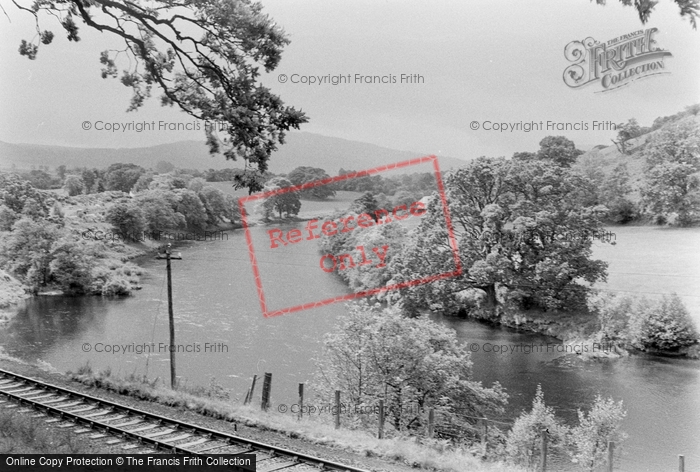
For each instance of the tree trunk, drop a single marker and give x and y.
(491, 300)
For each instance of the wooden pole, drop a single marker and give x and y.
(380, 434)
(543, 451)
(484, 432)
(681, 463)
(337, 409)
(431, 422)
(171, 318)
(249, 398)
(611, 454)
(301, 399)
(267, 386)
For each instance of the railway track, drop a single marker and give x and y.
(142, 432)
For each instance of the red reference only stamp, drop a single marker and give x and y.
(277, 238)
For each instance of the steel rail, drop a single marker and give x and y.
(248, 445)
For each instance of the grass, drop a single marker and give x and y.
(213, 401)
(21, 434)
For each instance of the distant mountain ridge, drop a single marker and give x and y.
(300, 149)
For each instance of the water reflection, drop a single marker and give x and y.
(216, 302)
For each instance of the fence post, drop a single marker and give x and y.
(301, 400)
(681, 463)
(380, 434)
(249, 397)
(267, 386)
(543, 451)
(337, 409)
(431, 422)
(484, 432)
(611, 453)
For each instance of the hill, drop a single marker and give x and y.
(606, 158)
(301, 149)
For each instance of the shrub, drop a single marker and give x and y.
(612, 313)
(589, 440)
(622, 211)
(523, 440)
(116, 286)
(128, 219)
(73, 185)
(664, 325)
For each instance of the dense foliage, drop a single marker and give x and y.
(303, 175)
(585, 444)
(521, 227)
(204, 57)
(411, 364)
(280, 203)
(39, 248)
(672, 172)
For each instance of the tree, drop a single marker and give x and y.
(664, 325)
(524, 438)
(159, 210)
(90, 178)
(215, 204)
(123, 177)
(25, 251)
(367, 203)
(143, 183)
(192, 208)
(688, 8)
(61, 172)
(556, 149)
(302, 175)
(596, 428)
(519, 227)
(233, 211)
(559, 150)
(71, 266)
(15, 192)
(672, 177)
(615, 190)
(7, 218)
(196, 184)
(73, 185)
(287, 203)
(204, 56)
(39, 179)
(627, 131)
(377, 353)
(127, 219)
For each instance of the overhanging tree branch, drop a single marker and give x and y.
(209, 69)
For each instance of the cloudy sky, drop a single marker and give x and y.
(498, 61)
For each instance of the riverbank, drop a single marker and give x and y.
(312, 435)
(12, 292)
(580, 334)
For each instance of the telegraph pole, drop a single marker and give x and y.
(167, 256)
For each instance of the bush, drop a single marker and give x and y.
(71, 266)
(128, 219)
(612, 313)
(622, 211)
(116, 286)
(665, 325)
(523, 440)
(589, 440)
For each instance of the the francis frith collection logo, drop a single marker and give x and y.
(614, 63)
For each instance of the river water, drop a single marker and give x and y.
(219, 320)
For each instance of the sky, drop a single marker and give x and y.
(497, 61)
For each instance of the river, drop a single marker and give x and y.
(219, 319)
